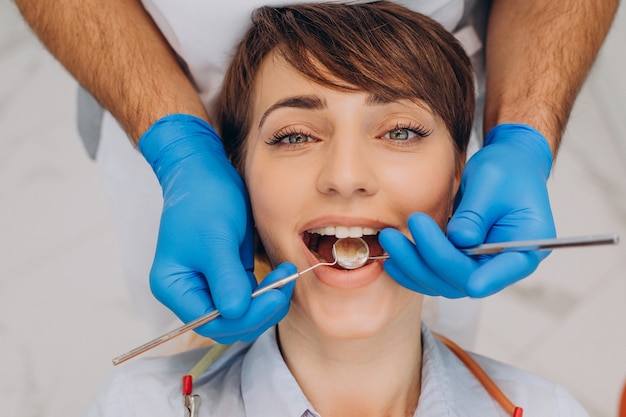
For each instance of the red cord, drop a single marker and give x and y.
(187, 385)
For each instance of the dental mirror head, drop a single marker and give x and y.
(351, 252)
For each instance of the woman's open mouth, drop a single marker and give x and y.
(320, 241)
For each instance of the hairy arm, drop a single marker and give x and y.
(538, 55)
(117, 53)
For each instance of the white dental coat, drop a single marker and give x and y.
(253, 380)
(204, 33)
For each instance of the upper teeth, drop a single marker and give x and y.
(343, 231)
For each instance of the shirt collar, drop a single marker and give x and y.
(267, 385)
(448, 387)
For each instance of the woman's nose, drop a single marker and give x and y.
(348, 169)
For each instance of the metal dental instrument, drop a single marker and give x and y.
(542, 244)
(353, 253)
(192, 404)
(212, 315)
(359, 249)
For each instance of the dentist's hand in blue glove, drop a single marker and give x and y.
(503, 197)
(205, 256)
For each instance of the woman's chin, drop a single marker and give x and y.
(351, 319)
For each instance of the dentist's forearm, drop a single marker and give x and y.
(116, 52)
(538, 55)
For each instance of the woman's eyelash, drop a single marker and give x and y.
(282, 134)
(418, 129)
(273, 140)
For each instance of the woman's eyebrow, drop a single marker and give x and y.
(311, 102)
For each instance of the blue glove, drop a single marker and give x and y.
(503, 197)
(265, 310)
(205, 256)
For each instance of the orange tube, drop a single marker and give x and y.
(482, 377)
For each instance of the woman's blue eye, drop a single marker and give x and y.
(408, 132)
(290, 138)
(400, 133)
(294, 138)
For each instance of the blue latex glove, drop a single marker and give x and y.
(205, 256)
(503, 197)
(265, 310)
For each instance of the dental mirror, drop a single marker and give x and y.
(353, 252)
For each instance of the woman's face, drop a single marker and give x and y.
(321, 162)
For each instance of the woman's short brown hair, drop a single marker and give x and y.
(381, 48)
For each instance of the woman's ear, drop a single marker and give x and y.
(458, 175)
(262, 265)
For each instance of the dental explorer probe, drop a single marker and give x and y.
(352, 253)
(212, 315)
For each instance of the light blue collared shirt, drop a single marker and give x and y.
(253, 380)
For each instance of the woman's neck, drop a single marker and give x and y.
(372, 376)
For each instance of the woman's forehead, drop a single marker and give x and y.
(279, 81)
